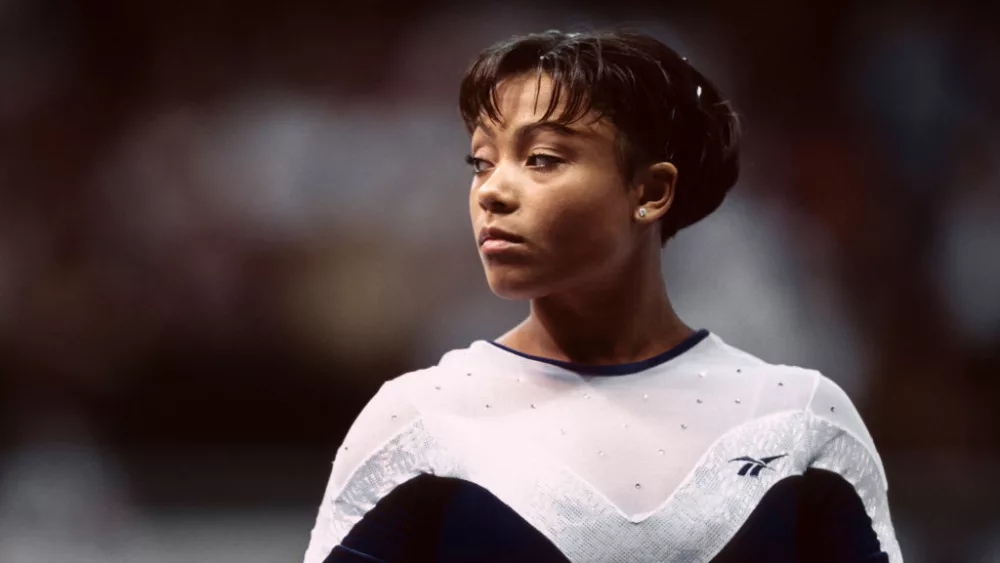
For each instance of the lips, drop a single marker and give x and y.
(497, 234)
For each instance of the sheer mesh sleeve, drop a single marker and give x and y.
(849, 452)
(385, 415)
(831, 404)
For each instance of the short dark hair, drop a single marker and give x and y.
(662, 108)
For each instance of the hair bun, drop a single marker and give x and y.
(706, 154)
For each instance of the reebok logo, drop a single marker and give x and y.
(754, 466)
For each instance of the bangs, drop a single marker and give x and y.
(572, 86)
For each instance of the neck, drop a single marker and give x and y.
(624, 319)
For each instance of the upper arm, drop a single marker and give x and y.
(443, 520)
(385, 415)
(830, 403)
(845, 505)
(833, 524)
(405, 525)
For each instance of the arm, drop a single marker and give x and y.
(844, 508)
(433, 519)
(402, 527)
(354, 488)
(833, 525)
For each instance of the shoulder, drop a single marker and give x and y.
(397, 402)
(830, 404)
(774, 388)
(421, 384)
(781, 387)
(835, 431)
(792, 388)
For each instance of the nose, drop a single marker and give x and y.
(496, 194)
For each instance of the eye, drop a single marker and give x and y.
(478, 165)
(542, 160)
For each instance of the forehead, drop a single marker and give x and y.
(523, 100)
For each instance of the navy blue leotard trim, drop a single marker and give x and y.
(444, 520)
(618, 369)
(816, 518)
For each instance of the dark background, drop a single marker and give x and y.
(223, 225)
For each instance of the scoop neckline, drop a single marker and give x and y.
(613, 369)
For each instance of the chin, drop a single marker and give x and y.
(514, 287)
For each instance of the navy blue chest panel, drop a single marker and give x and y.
(816, 517)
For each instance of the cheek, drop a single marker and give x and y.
(585, 225)
(473, 206)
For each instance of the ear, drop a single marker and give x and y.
(654, 190)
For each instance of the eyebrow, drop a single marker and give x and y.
(529, 129)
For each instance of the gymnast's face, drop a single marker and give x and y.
(550, 209)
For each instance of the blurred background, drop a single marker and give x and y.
(223, 225)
